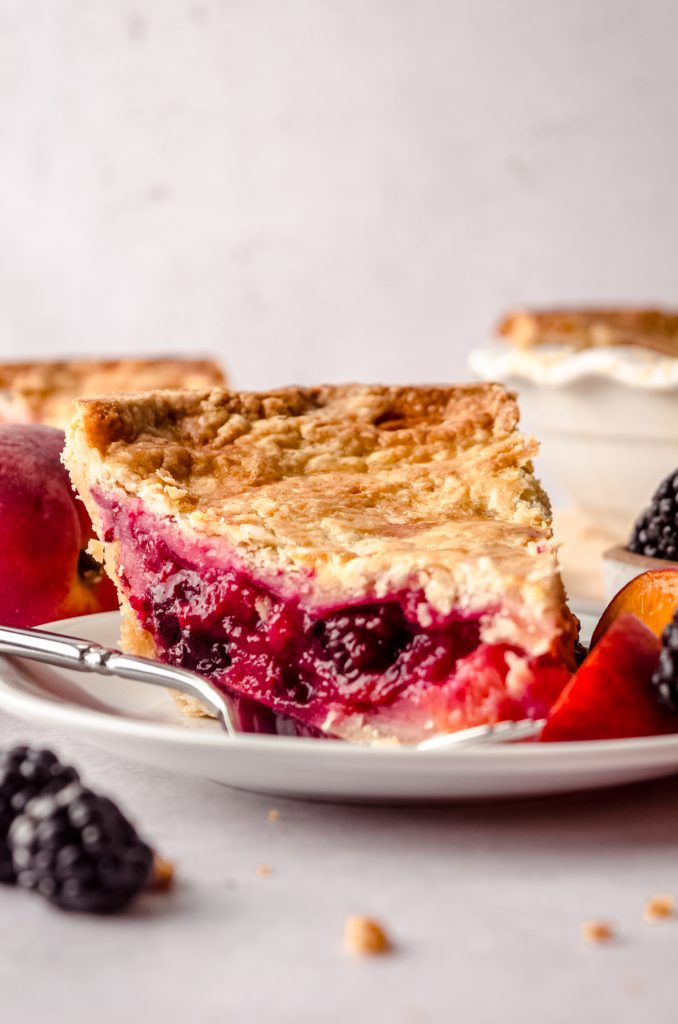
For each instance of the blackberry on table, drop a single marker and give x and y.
(656, 531)
(25, 772)
(79, 851)
(665, 678)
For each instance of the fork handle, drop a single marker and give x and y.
(38, 645)
(82, 656)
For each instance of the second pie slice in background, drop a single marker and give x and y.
(43, 392)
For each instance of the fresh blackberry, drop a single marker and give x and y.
(25, 772)
(656, 531)
(665, 678)
(78, 850)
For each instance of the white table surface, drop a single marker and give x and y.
(484, 903)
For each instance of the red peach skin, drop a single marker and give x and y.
(611, 696)
(43, 529)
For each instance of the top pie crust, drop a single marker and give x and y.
(43, 392)
(338, 494)
(653, 329)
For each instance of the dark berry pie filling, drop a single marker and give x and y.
(361, 670)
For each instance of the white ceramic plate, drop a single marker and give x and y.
(142, 723)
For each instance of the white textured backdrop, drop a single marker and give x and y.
(319, 189)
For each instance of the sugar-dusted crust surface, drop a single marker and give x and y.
(344, 493)
(654, 329)
(43, 392)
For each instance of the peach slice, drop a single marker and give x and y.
(651, 597)
(611, 696)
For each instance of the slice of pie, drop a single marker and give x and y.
(654, 329)
(370, 562)
(43, 392)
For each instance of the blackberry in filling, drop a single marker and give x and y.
(373, 659)
(367, 639)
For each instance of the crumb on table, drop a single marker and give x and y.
(659, 906)
(264, 871)
(162, 874)
(363, 936)
(273, 815)
(596, 931)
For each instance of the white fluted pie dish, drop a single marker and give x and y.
(607, 419)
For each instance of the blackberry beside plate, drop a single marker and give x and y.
(25, 772)
(79, 851)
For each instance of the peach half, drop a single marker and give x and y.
(45, 572)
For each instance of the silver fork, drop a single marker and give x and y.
(500, 732)
(82, 656)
